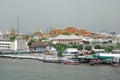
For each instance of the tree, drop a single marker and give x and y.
(104, 42)
(60, 48)
(25, 36)
(80, 47)
(118, 45)
(86, 42)
(74, 45)
(110, 41)
(109, 48)
(13, 37)
(40, 40)
(65, 33)
(97, 47)
(89, 48)
(31, 42)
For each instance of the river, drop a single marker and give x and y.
(21, 69)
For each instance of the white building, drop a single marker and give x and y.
(65, 39)
(21, 45)
(70, 52)
(4, 44)
(17, 45)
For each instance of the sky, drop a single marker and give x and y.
(92, 15)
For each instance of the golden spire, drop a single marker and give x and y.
(12, 31)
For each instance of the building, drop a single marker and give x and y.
(17, 45)
(65, 39)
(5, 44)
(38, 47)
(70, 52)
(20, 45)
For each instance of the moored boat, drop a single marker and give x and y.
(95, 61)
(71, 61)
(52, 61)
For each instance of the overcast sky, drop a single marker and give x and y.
(93, 15)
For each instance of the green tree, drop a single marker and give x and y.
(86, 42)
(97, 46)
(110, 41)
(42, 39)
(13, 37)
(31, 42)
(118, 45)
(104, 42)
(60, 48)
(74, 45)
(80, 47)
(25, 36)
(49, 43)
(109, 48)
(65, 33)
(89, 48)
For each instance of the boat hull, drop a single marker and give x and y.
(71, 63)
(52, 61)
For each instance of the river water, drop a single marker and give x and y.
(21, 69)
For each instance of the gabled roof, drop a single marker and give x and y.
(38, 44)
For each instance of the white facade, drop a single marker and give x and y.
(109, 55)
(65, 39)
(70, 52)
(5, 44)
(17, 45)
(21, 45)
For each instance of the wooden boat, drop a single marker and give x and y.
(71, 61)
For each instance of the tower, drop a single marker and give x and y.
(18, 25)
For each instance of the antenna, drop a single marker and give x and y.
(18, 24)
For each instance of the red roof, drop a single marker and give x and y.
(38, 44)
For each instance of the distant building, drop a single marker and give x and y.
(37, 33)
(65, 39)
(13, 32)
(70, 30)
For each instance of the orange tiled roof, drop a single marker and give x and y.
(71, 30)
(56, 31)
(84, 32)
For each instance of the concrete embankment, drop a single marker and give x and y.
(29, 56)
(22, 56)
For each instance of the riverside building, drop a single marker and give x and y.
(17, 45)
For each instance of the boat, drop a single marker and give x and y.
(71, 61)
(51, 61)
(96, 61)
